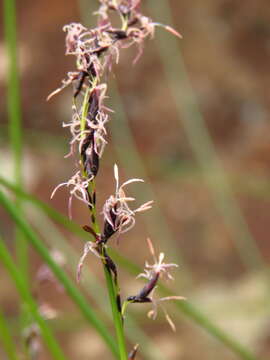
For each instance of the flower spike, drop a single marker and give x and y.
(118, 216)
(153, 273)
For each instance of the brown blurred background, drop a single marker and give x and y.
(212, 203)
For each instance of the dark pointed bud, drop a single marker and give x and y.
(91, 163)
(109, 230)
(142, 297)
(93, 105)
(90, 158)
(80, 81)
(146, 290)
(137, 299)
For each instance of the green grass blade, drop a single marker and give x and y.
(6, 339)
(13, 94)
(117, 319)
(70, 288)
(32, 307)
(47, 209)
(186, 308)
(14, 115)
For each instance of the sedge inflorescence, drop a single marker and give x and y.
(95, 51)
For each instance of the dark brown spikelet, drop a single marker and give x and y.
(93, 106)
(90, 158)
(109, 230)
(142, 297)
(79, 84)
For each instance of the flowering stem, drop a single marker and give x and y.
(111, 285)
(15, 117)
(112, 291)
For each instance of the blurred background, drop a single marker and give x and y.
(192, 119)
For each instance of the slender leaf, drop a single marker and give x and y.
(13, 94)
(14, 115)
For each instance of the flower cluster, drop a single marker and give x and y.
(95, 51)
(118, 216)
(153, 273)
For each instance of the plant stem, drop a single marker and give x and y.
(15, 117)
(117, 318)
(112, 291)
(13, 94)
(111, 286)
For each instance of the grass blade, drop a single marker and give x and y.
(47, 209)
(15, 117)
(13, 94)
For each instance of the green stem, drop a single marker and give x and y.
(111, 286)
(117, 317)
(15, 117)
(6, 338)
(32, 307)
(47, 209)
(70, 288)
(113, 292)
(13, 94)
